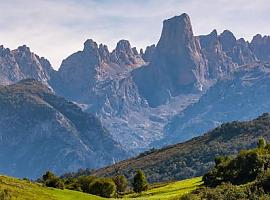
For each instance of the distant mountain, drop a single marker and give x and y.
(241, 96)
(40, 131)
(194, 157)
(21, 63)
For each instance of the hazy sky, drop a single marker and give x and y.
(56, 28)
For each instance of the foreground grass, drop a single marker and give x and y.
(169, 191)
(24, 190)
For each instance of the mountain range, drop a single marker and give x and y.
(173, 91)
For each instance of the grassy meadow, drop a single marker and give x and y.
(24, 190)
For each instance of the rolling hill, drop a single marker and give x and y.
(194, 157)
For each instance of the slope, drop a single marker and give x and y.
(194, 157)
(40, 131)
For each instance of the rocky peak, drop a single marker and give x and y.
(149, 53)
(31, 65)
(134, 51)
(104, 52)
(261, 47)
(123, 46)
(210, 40)
(179, 51)
(228, 40)
(90, 45)
(176, 34)
(125, 55)
(177, 65)
(24, 48)
(21, 63)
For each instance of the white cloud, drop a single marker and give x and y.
(57, 28)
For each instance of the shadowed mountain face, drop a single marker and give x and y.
(41, 131)
(145, 97)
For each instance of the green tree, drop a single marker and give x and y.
(121, 183)
(84, 182)
(50, 180)
(103, 187)
(48, 175)
(261, 142)
(139, 182)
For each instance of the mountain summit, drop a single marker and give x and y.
(177, 65)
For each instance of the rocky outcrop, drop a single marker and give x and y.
(149, 53)
(218, 63)
(177, 65)
(21, 63)
(81, 74)
(261, 47)
(40, 131)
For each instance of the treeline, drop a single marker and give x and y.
(245, 176)
(105, 187)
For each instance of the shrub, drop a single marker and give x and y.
(139, 182)
(84, 182)
(103, 187)
(261, 142)
(121, 183)
(50, 180)
(242, 169)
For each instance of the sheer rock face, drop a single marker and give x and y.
(21, 63)
(224, 53)
(149, 53)
(41, 131)
(218, 63)
(261, 47)
(177, 65)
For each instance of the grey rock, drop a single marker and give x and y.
(21, 63)
(261, 47)
(177, 65)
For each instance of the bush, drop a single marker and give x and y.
(103, 187)
(121, 183)
(261, 143)
(139, 182)
(242, 169)
(50, 180)
(72, 184)
(84, 182)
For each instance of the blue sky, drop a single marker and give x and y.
(56, 28)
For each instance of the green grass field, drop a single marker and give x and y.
(23, 190)
(169, 191)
